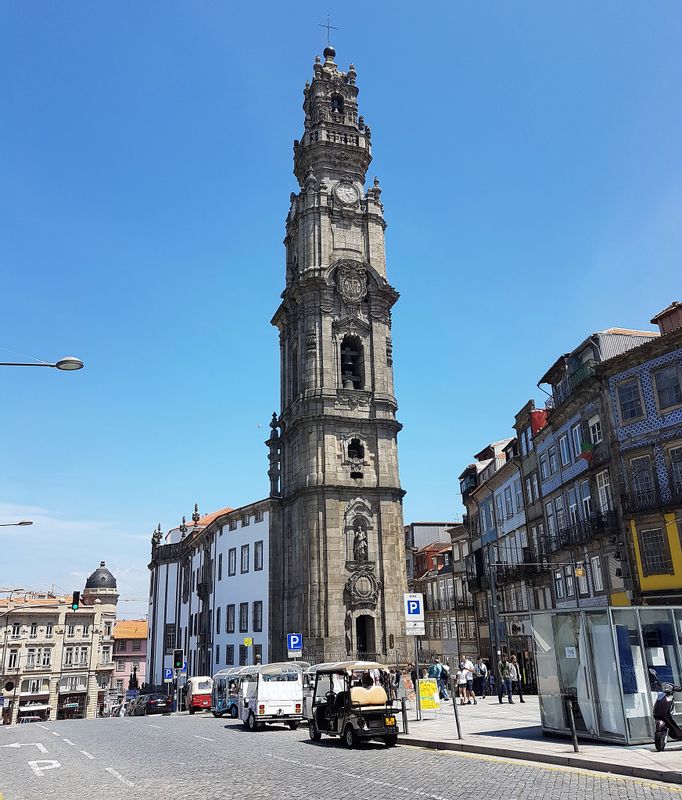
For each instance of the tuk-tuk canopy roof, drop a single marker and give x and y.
(351, 666)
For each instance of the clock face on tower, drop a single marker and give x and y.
(346, 193)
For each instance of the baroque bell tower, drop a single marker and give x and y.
(337, 548)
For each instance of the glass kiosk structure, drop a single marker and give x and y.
(607, 662)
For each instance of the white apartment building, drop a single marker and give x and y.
(209, 592)
(56, 663)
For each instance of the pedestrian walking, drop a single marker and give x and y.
(515, 670)
(444, 680)
(436, 673)
(480, 678)
(461, 678)
(504, 678)
(467, 665)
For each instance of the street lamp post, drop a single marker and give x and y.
(20, 523)
(66, 364)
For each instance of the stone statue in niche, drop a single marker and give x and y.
(360, 549)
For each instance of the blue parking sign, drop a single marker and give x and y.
(294, 642)
(167, 674)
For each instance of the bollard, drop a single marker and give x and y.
(571, 722)
(403, 707)
(454, 705)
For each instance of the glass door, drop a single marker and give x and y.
(606, 685)
(573, 663)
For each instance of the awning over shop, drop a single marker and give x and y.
(35, 707)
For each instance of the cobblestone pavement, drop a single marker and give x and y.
(202, 757)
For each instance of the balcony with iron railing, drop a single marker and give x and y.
(564, 389)
(581, 531)
(654, 499)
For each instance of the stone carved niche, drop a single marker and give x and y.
(360, 536)
(351, 281)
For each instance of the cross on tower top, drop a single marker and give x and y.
(329, 27)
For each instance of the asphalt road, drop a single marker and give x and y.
(163, 757)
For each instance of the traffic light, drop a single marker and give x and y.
(75, 601)
(178, 659)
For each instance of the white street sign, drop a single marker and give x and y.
(414, 614)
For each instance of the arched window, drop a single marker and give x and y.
(356, 449)
(337, 103)
(352, 363)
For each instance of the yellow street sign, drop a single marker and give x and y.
(248, 641)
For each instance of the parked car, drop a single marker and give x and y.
(27, 719)
(156, 703)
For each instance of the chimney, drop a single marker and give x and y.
(670, 319)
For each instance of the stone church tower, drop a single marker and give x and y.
(337, 549)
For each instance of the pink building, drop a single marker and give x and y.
(130, 653)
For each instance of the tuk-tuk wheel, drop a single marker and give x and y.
(292, 725)
(314, 734)
(217, 714)
(234, 712)
(350, 738)
(192, 710)
(391, 740)
(251, 723)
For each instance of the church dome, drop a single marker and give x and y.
(101, 578)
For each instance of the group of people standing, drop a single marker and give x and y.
(475, 680)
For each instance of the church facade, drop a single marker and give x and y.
(331, 563)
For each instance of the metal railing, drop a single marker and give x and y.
(652, 499)
(571, 382)
(581, 531)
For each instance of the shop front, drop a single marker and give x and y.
(606, 663)
(34, 708)
(72, 706)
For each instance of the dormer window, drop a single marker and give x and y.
(337, 104)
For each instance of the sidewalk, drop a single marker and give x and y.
(495, 729)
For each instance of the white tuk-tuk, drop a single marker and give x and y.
(271, 693)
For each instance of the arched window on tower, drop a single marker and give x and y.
(337, 103)
(352, 363)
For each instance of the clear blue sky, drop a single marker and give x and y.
(529, 154)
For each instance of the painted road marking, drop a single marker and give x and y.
(41, 766)
(40, 747)
(54, 733)
(44, 727)
(86, 754)
(205, 738)
(68, 741)
(149, 725)
(120, 777)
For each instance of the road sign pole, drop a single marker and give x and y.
(177, 691)
(416, 683)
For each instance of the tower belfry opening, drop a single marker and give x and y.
(334, 461)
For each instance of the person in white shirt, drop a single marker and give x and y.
(461, 678)
(467, 665)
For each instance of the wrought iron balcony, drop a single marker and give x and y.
(652, 499)
(570, 383)
(582, 531)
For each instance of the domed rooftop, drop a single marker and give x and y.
(101, 578)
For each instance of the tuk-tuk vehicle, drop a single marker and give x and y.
(349, 703)
(271, 693)
(225, 694)
(198, 693)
